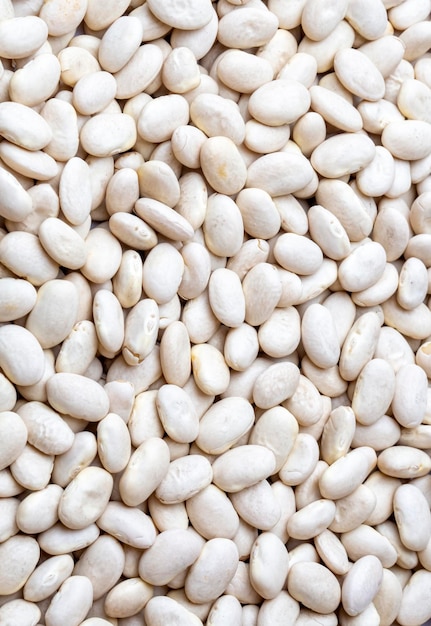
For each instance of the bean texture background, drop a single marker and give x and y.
(215, 313)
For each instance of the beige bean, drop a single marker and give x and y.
(226, 297)
(275, 385)
(64, 602)
(353, 509)
(21, 355)
(301, 461)
(185, 477)
(306, 403)
(140, 331)
(46, 430)
(59, 540)
(412, 517)
(241, 347)
(37, 81)
(306, 582)
(412, 609)
(339, 198)
(284, 323)
(129, 525)
(113, 443)
(47, 577)
(366, 575)
(324, 51)
(217, 431)
(38, 511)
(311, 520)
(127, 282)
(85, 498)
(102, 562)
(164, 219)
(172, 553)
(212, 514)
(77, 396)
(235, 469)
(262, 290)
(248, 29)
(34, 164)
(22, 36)
(409, 139)
(223, 241)
(78, 349)
(16, 202)
(338, 434)
(54, 313)
(14, 433)
(365, 540)
(19, 556)
(213, 570)
(107, 134)
(257, 505)
(267, 103)
(199, 40)
(333, 157)
(161, 116)
(222, 165)
(268, 557)
(266, 173)
(335, 109)
(317, 23)
(152, 454)
(127, 598)
(160, 609)
(18, 297)
(347, 473)
(177, 413)
(332, 552)
(403, 462)
(175, 354)
(24, 127)
(127, 30)
(359, 74)
(359, 345)
(374, 391)
(322, 347)
(210, 372)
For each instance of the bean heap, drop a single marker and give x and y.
(215, 324)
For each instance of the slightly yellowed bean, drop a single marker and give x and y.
(209, 369)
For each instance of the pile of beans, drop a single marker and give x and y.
(215, 322)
